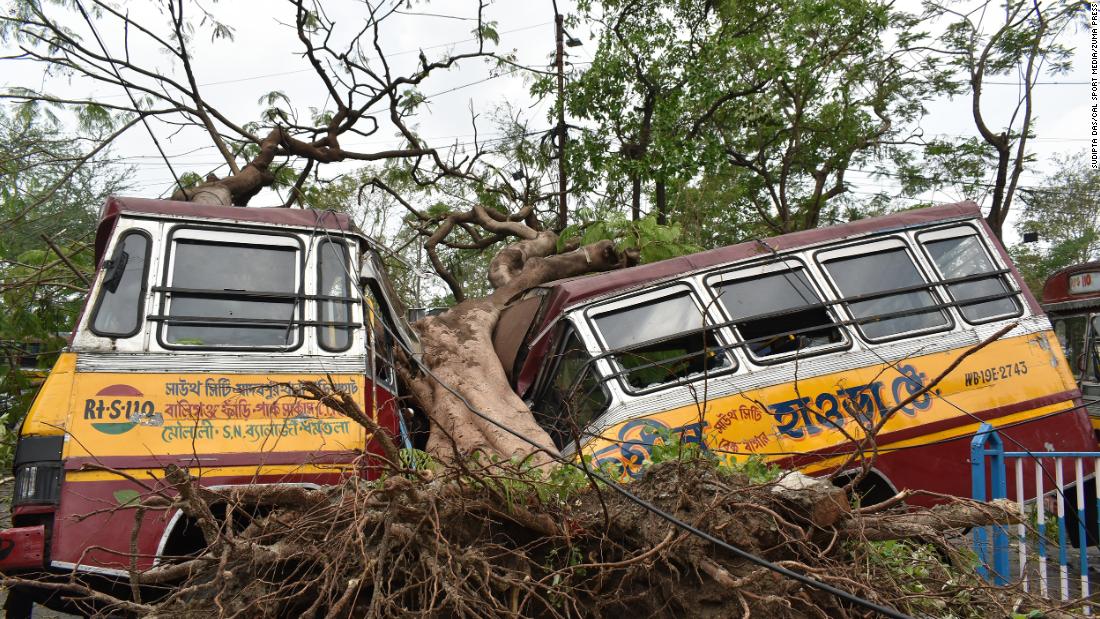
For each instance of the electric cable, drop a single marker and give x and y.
(126, 87)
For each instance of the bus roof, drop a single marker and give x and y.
(1057, 295)
(570, 292)
(308, 219)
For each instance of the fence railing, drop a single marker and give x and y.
(1057, 515)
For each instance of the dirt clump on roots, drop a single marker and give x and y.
(494, 541)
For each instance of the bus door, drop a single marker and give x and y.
(1079, 335)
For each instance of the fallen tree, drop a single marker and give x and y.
(496, 541)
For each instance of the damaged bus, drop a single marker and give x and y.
(791, 348)
(200, 326)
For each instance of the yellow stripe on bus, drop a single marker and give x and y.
(824, 412)
(266, 470)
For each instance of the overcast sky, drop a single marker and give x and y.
(263, 57)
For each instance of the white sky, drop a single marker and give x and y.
(264, 57)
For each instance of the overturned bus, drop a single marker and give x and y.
(200, 326)
(794, 347)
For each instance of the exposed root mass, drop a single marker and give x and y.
(490, 542)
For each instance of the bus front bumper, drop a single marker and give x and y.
(22, 548)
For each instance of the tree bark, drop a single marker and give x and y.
(464, 392)
(635, 197)
(662, 203)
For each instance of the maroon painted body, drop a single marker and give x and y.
(1056, 289)
(23, 548)
(89, 530)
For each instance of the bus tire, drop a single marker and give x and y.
(874, 488)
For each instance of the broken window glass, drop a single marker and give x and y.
(573, 395)
(778, 313)
(232, 295)
(662, 341)
(964, 256)
(891, 314)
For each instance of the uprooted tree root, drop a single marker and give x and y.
(497, 543)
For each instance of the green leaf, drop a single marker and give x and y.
(127, 496)
(488, 32)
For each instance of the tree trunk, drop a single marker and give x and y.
(466, 395)
(662, 203)
(635, 197)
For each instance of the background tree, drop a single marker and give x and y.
(1065, 210)
(767, 104)
(367, 93)
(1020, 40)
(48, 211)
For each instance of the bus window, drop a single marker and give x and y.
(777, 313)
(1071, 332)
(964, 256)
(379, 341)
(573, 395)
(661, 341)
(884, 314)
(232, 294)
(122, 294)
(334, 315)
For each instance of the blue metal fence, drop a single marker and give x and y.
(992, 477)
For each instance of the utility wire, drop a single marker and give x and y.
(137, 109)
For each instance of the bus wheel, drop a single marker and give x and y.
(870, 490)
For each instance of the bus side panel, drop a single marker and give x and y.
(944, 466)
(381, 407)
(808, 424)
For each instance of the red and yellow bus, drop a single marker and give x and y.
(1071, 297)
(790, 348)
(200, 326)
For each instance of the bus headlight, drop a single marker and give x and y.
(38, 470)
(37, 483)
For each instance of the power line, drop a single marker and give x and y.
(311, 70)
(1037, 83)
(126, 87)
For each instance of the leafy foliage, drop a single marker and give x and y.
(1065, 211)
(1014, 39)
(653, 241)
(40, 296)
(768, 104)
